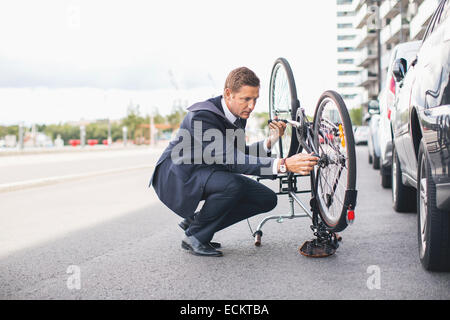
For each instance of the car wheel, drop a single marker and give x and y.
(401, 194)
(376, 162)
(370, 158)
(433, 225)
(386, 180)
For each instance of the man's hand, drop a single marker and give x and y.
(301, 163)
(276, 129)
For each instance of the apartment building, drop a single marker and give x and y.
(348, 73)
(380, 25)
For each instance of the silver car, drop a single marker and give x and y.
(386, 98)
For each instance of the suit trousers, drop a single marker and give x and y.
(229, 198)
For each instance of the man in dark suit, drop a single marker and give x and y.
(209, 158)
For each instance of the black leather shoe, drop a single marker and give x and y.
(187, 222)
(194, 246)
(215, 245)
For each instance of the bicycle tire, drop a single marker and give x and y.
(333, 137)
(283, 103)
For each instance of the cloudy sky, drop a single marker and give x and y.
(66, 60)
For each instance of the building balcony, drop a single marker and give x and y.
(361, 16)
(367, 78)
(389, 9)
(420, 21)
(364, 99)
(395, 32)
(366, 36)
(355, 79)
(359, 3)
(367, 57)
(347, 43)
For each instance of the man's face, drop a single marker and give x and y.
(243, 102)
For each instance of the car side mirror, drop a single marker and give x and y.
(399, 69)
(374, 107)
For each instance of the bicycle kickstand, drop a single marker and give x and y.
(326, 242)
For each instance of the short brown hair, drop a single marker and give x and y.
(240, 77)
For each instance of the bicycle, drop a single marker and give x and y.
(333, 181)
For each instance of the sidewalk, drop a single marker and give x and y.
(23, 171)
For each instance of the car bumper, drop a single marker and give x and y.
(443, 196)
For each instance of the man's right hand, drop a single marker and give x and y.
(301, 163)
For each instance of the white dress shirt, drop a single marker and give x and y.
(232, 118)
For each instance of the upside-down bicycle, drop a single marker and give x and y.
(333, 181)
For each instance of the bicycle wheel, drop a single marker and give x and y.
(335, 176)
(283, 103)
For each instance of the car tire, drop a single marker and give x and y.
(370, 158)
(386, 180)
(433, 225)
(401, 194)
(376, 162)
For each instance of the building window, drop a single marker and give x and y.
(345, 13)
(346, 61)
(345, 49)
(348, 73)
(344, 1)
(345, 84)
(344, 25)
(346, 37)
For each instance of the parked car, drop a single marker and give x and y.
(361, 135)
(421, 140)
(386, 98)
(373, 142)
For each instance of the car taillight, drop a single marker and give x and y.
(392, 90)
(392, 85)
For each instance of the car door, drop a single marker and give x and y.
(429, 73)
(436, 92)
(400, 117)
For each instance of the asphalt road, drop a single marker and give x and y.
(109, 237)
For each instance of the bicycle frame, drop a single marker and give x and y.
(291, 181)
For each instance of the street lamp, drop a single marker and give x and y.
(125, 135)
(21, 135)
(83, 135)
(109, 133)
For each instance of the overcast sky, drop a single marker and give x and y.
(66, 60)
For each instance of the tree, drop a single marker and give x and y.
(264, 116)
(132, 120)
(97, 130)
(66, 131)
(177, 115)
(356, 115)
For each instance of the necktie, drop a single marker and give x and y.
(238, 123)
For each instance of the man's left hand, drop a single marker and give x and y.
(276, 130)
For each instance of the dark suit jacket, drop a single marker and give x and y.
(181, 173)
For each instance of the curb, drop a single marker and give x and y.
(14, 186)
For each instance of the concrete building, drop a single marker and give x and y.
(348, 72)
(380, 25)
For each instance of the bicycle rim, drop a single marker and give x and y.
(336, 177)
(283, 103)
